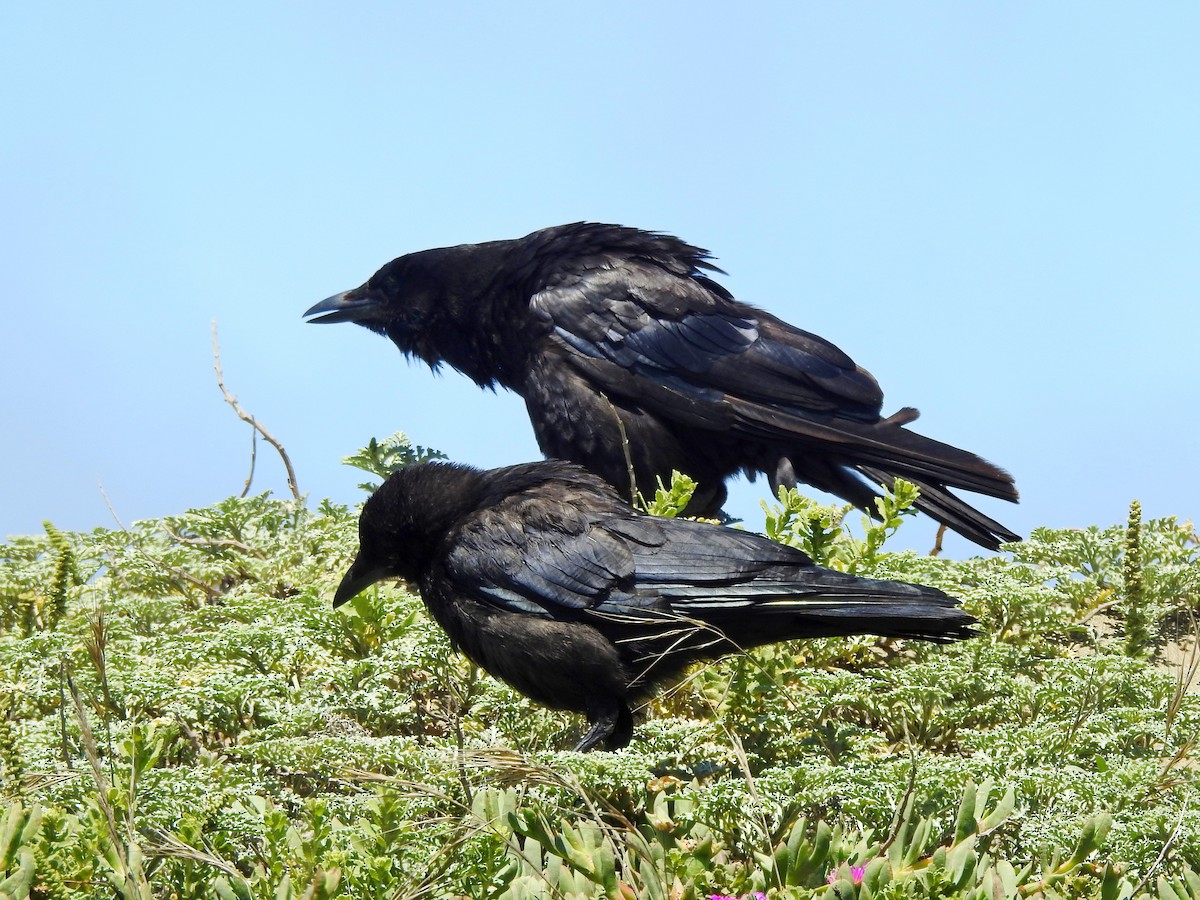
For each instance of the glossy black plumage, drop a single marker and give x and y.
(545, 578)
(619, 341)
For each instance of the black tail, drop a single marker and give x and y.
(918, 458)
(825, 604)
(884, 451)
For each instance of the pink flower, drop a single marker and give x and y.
(856, 874)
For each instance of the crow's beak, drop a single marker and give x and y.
(348, 306)
(357, 579)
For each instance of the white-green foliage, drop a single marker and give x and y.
(382, 458)
(250, 742)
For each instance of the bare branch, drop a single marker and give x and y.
(253, 459)
(92, 751)
(1103, 607)
(112, 512)
(633, 490)
(937, 544)
(123, 846)
(212, 542)
(231, 399)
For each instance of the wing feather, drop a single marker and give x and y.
(533, 558)
(687, 335)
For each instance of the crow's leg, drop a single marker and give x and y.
(623, 731)
(612, 723)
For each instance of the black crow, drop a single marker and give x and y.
(634, 362)
(543, 576)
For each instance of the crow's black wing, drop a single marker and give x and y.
(539, 556)
(680, 348)
(684, 552)
(557, 559)
(747, 589)
(685, 339)
(564, 561)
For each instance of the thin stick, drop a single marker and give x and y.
(899, 819)
(937, 544)
(1174, 836)
(213, 542)
(111, 511)
(633, 490)
(102, 783)
(135, 880)
(231, 399)
(62, 710)
(253, 459)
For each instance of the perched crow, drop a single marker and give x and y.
(543, 576)
(632, 361)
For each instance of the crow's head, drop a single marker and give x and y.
(404, 522)
(403, 300)
(432, 304)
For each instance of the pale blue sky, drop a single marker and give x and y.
(994, 208)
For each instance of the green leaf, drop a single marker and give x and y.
(18, 883)
(999, 815)
(13, 822)
(669, 502)
(384, 457)
(1095, 830)
(964, 822)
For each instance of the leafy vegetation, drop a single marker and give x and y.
(382, 458)
(184, 716)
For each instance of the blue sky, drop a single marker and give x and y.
(994, 208)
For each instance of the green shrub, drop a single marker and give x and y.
(234, 737)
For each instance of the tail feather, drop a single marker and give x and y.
(825, 604)
(915, 456)
(934, 500)
(885, 443)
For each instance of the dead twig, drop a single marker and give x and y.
(95, 644)
(1171, 839)
(168, 846)
(136, 887)
(62, 711)
(937, 543)
(1189, 668)
(1099, 609)
(633, 489)
(213, 542)
(253, 460)
(231, 399)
